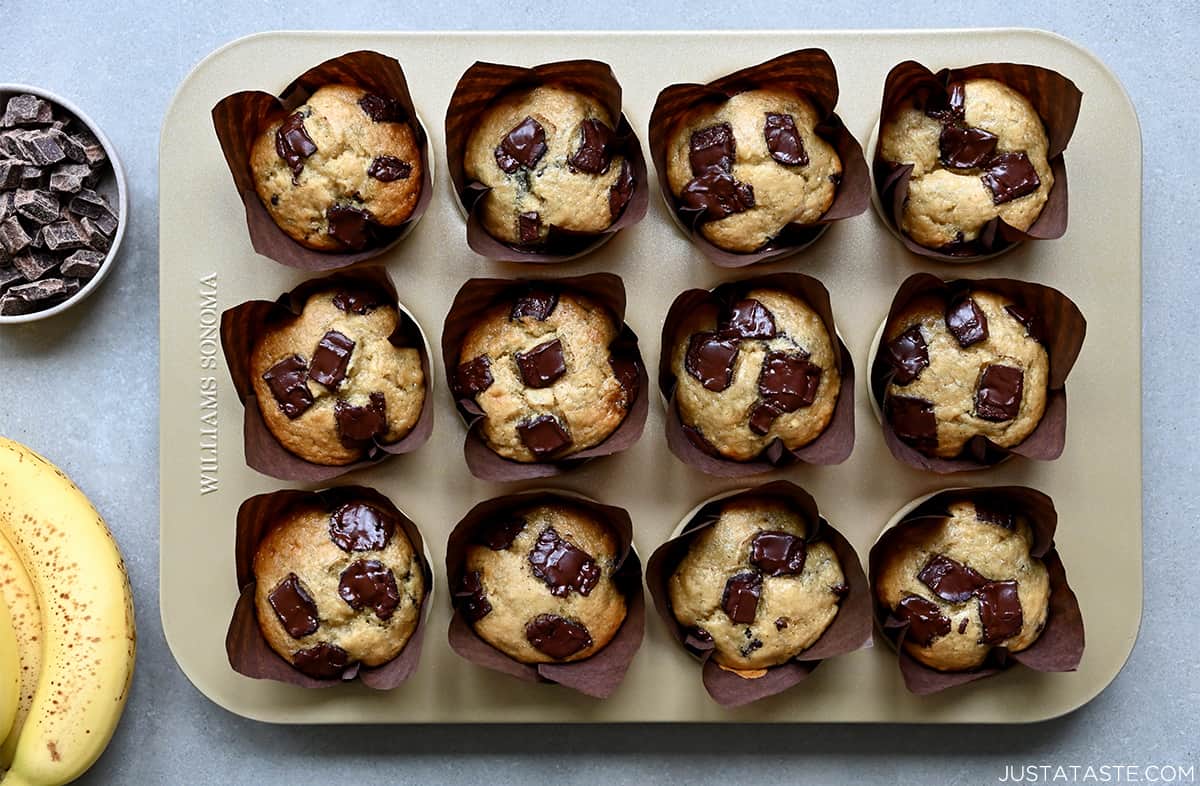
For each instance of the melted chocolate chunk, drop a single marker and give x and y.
(529, 227)
(999, 611)
(761, 418)
(382, 109)
(541, 366)
(324, 662)
(740, 599)
(700, 637)
(499, 534)
(710, 360)
(788, 381)
(357, 526)
(950, 580)
(913, 421)
(370, 584)
(358, 301)
(626, 372)
(995, 513)
(966, 321)
(470, 598)
(562, 565)
(543, 435)
(953, 110)
(999, 395)
(620, 192)
(780, 623)
(711, 150)
(350, 226)
(908, 355)
(293, 144)
(473, 377)
(1010, 176)
(385, 169)
(748, 318)
(962, 625)
(783, 140)
(778, 553)
(557, 636)
(1026, 318)
(523, 146)
(330, 359)
(286, 379)
(716, 196)
(361, 424)
(536, 303)
(593, 154)
(965, 148)
(925, 621)
(295, 608)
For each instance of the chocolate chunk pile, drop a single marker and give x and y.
(55, 228)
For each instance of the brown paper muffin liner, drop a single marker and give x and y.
(480, 294)
(849, 631)
(239, 118)
(1057, 102)
(1060, 645)
(597, 676)
(834, 444)
(482, 84)
(807, 72)
(247, 648)
(241, 328)
(1059, 325)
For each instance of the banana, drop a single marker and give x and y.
(88, 637)
(10, 672)
(16, 592)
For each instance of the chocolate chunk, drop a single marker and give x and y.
(37, 295)
(13, 305)
(965, 148)
(8, 276)
(93, 152)
(370, 584)
(33, 263)
(925, 620)
(382, 109)
(470, 598)
(626, 372)
(913, 421)
(350, 226)
(38, 206)
(541, 366)
(781, 623)
(10, 173)
(788, 380)
(295, 608)
(999, 611)
(712, 150)
(740, 598)
(710, 360)
(69, 178)
(473, 377)
(293, 144)
(358, 300)
(91, 204)
(357, 526)
(543, 435)
(523, 146)
(783, 140)
(748, 318)
(286, 379)
(562, 565)
(761, 418)
(620, 192)
(1010, 176)
(1026, 318)
(324, 662)
(556, 636)
(71, 147)
(538, 304)
(699, 638)
(529, 227)
(995, 512)
(966, 321)
(330, 359)
(717, 196)
(13, 236)
(95, 238)
(908, 355)
(998, 397)
(66, 235)
(388, 168)
(42, 148)
(593, 155)
(952, 111)
(950, 580)
(962, 625)
(361, 424)
(6, 205)
(499, 534)
(778, 553)
(32, 178)
(26, 109)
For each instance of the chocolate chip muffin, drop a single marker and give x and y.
(962, 369)
(762, 370)
(335, 589)
(540, 368)
(330, 384)
(755, 586)
(537, 584)
(979, 157)
(751, 166)
(547, 154)
(339, 169)
(965, 584)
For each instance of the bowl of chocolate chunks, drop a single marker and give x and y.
(63, 204)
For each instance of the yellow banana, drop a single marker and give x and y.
(16, 592)
(10, 672)
(88, 639)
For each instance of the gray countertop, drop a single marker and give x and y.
(82, 389)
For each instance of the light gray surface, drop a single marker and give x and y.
(82, 389)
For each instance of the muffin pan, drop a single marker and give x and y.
(209, 265)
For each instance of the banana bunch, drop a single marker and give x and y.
(67, 638)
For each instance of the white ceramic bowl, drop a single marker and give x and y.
(115, 188)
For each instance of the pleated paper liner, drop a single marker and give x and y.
(1060, 645)
(481, 85)
(478, 295)
(1058, 325)
(849, 631)
(1056, 100)
(241, 328)
(241, 117)
(598, 675)
(247, 648)
(809, 73)
(834, 444)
